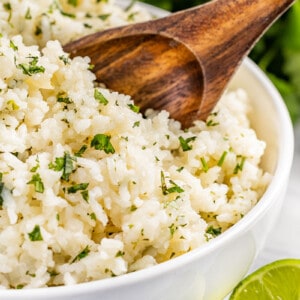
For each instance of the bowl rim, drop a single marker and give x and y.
(282, 170)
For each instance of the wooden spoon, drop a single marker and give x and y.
(183, 62)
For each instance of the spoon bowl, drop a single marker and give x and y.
(183, 62)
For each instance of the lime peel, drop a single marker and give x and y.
(277, 280)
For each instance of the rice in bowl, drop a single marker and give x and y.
(90, 188)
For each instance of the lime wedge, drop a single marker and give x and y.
(277, 280)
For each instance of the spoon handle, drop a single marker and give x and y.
(219, 49)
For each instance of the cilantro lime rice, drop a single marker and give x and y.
(89, 187)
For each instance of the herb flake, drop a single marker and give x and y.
(37, 182)
(35, 234)
(185, 143)
(102, 142)
(84, 253)
(99, 97)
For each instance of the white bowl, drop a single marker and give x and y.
(211, 271)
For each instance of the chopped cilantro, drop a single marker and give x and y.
(102, 142)
(64, 59)
(7, 7)
(134, 108)
(19, 286)
(65, 164)
(240, 165)
(38, 30)
(77, 187)
(37, 182)
(62, 98)
(99, 97)
(136, 124)
(214, 231)
(210, 121)
(32, 67)
(35, 168)
(104, 17)
(85, 195)
(180, 169)
(169, 190)
(82, 254)
(185, 143)
(73, 2)
(13, 104)
(204, 164)
(86, 25)
(35, 234)
(133, 208)
(72, 16)
(28, 14)
(222, 158)
(173, 229)
(81, 151)
(93, 216)
(13, 46)
(120, 253)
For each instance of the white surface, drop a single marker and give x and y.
(284, 241)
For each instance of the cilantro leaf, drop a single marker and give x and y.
(99, 97)
(37, 182)
(35, 234)
(185, 143)
(102, 142)
(82, 254)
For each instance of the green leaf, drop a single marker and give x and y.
(37, 182)
(185, 143)
(99, 97)
(35, 234)
(102, 142)
(77, 187)
(84, 253)
(32, 67)
(65, 164)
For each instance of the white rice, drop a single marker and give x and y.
(132, 198)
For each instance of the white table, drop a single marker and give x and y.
(284, 239)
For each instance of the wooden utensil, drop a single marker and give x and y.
(183, 62)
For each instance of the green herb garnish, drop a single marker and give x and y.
(65, 164)
(62, 98)
(99, 97)
(12, 45)
(64, 59)
(104, 17)
(134, 108)
(214, 231)
(73, 2)
(169, 190)
(102, 142)
(77, 187)
(28, 14)
(32, 67)
(81, 151)
(185, 143)
(37, 182)
(222, 158)
(35, 234)
(204, 164)
(239, 166)
(82, 254)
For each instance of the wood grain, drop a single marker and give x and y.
(183, 62)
